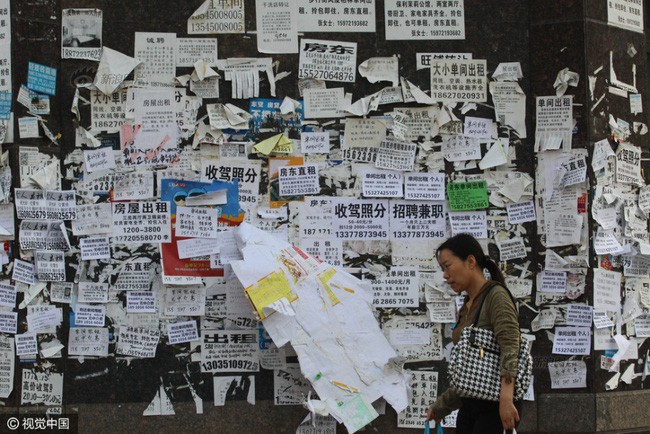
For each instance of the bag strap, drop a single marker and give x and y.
(491, 284)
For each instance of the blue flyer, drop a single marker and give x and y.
(41, 78)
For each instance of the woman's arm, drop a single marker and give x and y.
(507, 410)
(445, 404)
(505, 324)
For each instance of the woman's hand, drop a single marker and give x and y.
(431, 415)
(509, 414)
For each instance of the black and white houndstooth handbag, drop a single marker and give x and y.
(474, 365)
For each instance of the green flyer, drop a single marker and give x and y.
(467, 196)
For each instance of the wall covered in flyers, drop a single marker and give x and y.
(364, 133)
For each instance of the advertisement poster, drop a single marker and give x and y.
(176, 192)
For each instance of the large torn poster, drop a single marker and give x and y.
(327, 316)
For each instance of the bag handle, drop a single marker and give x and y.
(427, 428)
(491, 284)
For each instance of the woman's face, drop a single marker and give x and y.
(457, 272)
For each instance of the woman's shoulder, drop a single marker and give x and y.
(497, 287)
(498, 292)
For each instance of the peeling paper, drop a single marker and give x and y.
(365, 105)
(75, 105)
(510, 106)
(508, 71)
(93, 142)
(281, 306)
(198, 402)
(225, 116)
(602, 151)
(378, 69)
(612, 383)
(113, 68)
(206, 134)
(289, 106)
(280, 75)
(636, 103)
(628, 375)
(618, 127)
(554, 126)
(269, 145)
(564, 79)
(272, 213)
(183, 79)
(516, 189)
(202, 71)
(316, 406)
(161, 405)
(8, 362)
(316, 424)
(222, 385)
(243, 74)
(640, 128)
(615, 82)
(466, 108)
(31, 292)
(51, 349)
(218, 197)
(202, 9)
(544, 320)
(54, 139)
(413, 93)
(623, 344)
(495, 156)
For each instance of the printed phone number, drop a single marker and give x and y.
(29, 243)
(326, 75)
(49, 215)
(418, 234)
(457, 96)
(100, 186)
(394, 302)
(31, 214)
(446, 33)
(51, 277)
(62, 215)
(108, 124)
(240, 365)
(469, 206)
(214, 14)
(138, 238)
(244, 322)
(82, 52)
(216, 27)
(299, 191)
(320, 231)
(352, 23)
(382, 193)
(358, 155)
(425, 196)
(361, 234)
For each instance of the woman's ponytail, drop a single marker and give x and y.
(495, 271)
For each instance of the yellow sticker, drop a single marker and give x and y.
(278, 143)
(268, 290)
